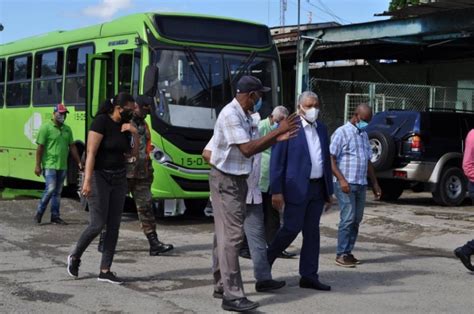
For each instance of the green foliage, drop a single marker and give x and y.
(398, 4)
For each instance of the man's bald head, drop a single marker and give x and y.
(363, 112)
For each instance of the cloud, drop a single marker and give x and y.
(107, 8)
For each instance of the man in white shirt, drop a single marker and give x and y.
(301, 182)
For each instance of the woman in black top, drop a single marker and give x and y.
(105, 184)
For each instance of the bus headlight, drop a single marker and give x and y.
(160, 156)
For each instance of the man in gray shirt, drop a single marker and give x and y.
(231, 162)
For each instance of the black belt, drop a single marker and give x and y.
(316, 180)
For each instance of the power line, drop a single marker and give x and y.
(325, 9)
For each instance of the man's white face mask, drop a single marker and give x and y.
(310, 115)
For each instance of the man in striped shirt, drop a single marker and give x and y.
(350, 161)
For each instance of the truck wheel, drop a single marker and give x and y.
(451, 188)
(391, 189)
(383, 150)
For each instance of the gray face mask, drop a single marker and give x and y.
(60, 118)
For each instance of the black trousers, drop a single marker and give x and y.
(105, 208)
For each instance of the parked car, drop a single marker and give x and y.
(422, 151)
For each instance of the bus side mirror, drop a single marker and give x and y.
(150, 83)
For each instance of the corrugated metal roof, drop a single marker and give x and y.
(429, 8)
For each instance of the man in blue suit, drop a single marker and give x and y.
(301, 184)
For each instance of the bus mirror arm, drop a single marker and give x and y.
(150, 82)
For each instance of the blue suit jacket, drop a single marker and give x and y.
(290, 166)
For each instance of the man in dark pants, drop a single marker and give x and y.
(300, 183)
(231, 162)
(465, 252)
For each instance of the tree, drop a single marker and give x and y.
(398, 4)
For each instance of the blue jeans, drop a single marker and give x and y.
(255, 231)
(352, 211)
(54, 185)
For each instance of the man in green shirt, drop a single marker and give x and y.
(54, 142)
(271, 215)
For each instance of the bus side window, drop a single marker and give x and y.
(2, 82)
(19, 81)
(125, 73)
(48, 82)
(75, 82)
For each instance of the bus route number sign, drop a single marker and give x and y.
(192, 161)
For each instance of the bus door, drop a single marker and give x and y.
(127, 69)
(109, 74)
(99, 82)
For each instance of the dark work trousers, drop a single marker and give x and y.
(271, 218)
(302, 217)
(105, 208)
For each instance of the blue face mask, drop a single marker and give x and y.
(257, 105)
(361, 125)
(274, 126)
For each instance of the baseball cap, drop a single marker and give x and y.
(60, 108)
(248, 83)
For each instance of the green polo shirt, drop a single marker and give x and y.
(264, 127)
(56, 141)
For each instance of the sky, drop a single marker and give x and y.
(24, 18)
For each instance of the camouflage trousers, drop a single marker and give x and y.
(140, 189)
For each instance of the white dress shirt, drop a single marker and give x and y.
(314, 147)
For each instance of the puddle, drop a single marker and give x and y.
(41, 295)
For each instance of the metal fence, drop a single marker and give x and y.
(340, 98)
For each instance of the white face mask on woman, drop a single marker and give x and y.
(310, 115)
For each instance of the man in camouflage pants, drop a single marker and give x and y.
(140, 177)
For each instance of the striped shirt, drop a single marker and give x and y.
(233, 127)
(352, 151)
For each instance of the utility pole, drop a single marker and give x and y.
(298, 40)
(283, 7)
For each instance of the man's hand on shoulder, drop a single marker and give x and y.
(288, 127)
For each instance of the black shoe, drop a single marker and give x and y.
(239, 305)
(245, 254)
(160, 248)
(267, 285)
(37, 218)
(58, 221)
(109, 277)
(285, 254)
(157, 247)
(313, 284)
(73, 266)
(218, 294)
(465, 258)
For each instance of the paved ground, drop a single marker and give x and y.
(406, 250)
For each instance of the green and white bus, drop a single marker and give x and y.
(188, 63)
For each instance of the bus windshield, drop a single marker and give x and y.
(194, 86)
